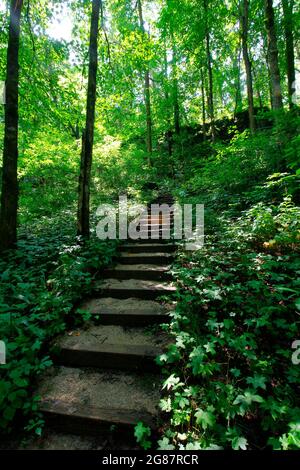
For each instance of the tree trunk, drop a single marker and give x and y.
(83, 216)
(9, 196)
(273, 55)
(169, 134)
(248, 66)
(287, 6)
(238, 94)
(147, 94)
(175, 90)
(257, 88)
(203, 104)
(210, 97)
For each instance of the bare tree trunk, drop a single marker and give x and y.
(238, 95)
(257, 88)
(83, 216)
(147, 94)
(210, 74)
(265, 49)
(287, 6)
(175, 90)
(244, 33)
(9, 196)
(203, 104)
(273, 55)
(169, 135)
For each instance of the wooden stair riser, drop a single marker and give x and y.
(153, 259)
(136, 319)
(82, 424)
(137, 274)
(145, 294)
(168, 248)
(121, 358)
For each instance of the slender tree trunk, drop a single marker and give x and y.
(175, 90)
(83, 217)
(9, 196)
(176, 109)
(238, 95)
(265, 51)
(248, 66)
(287, 6)
(257, 88)
(203, 104)
(146, 93)
(148, 115)
(273, 55)
(167, 97)
(210, 97)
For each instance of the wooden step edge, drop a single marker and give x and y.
(147, 248)
(146, 258)
(145, 294)
(137, 260)
(85, 419)
(121, 274)
(110, 356)
(131, 319)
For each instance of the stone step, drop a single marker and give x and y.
(87, 401)
(157, 219)
(150, 272)
(147, 248)
(52, 440)
(107, 440)
(151, 237)
(129, 312)
(122, 289)
(111, 347)
(156, 226)
(160, 258)
(159, 242)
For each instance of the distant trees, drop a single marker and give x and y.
(173, 63)
(9, 196)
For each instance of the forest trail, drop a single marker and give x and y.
(105, 379)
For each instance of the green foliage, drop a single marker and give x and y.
(231, 381)
(142, 434)
(40, 283)
(248, 170)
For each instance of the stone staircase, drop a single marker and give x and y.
(105, 377)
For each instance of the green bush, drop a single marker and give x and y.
(39, 284)
(231, 381)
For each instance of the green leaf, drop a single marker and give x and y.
(258, 381)
(171, 382)
(164, 444)
(239, 443)
(142, 433)
(206, 419)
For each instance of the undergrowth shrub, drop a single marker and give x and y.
(40, 283)
(231, 381)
